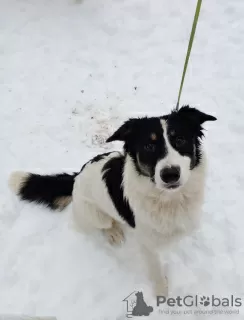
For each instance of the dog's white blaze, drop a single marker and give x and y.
(172, 158)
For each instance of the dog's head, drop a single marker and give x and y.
(166, 149)
(139, 295)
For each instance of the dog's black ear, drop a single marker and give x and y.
(196, 115)
(123, 133)
(165, 117)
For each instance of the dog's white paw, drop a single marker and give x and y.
(161, 288)
(115, 234)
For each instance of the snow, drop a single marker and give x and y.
(71, 72)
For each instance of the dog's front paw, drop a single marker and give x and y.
(161, 288)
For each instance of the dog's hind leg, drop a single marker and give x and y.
(87, 217)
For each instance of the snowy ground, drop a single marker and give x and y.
(70, 73)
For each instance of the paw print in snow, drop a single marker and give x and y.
(205, 301)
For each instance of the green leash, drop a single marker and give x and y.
(194, 25)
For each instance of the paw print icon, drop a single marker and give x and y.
(204, 301)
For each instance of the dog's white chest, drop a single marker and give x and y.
(162, 222)
(163, 217)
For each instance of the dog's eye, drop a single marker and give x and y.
(150, 147)
(180, 141)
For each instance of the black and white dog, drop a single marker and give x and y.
(156, 185)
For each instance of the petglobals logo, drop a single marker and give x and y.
(136, 305)
(197, 301)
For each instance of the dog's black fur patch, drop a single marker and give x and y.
(95, 159)
(113, 178)
(185, 126)
(144, 142)
(99, 157)
(47, 189)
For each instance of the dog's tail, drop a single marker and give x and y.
(54, 191)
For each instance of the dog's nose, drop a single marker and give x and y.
(170, 174)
